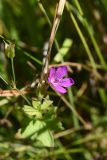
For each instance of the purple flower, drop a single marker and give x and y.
(57, 81)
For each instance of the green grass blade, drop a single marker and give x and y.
(81, 36)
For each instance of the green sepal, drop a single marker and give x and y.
(10, 50)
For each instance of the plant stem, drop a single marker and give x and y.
(13, 73)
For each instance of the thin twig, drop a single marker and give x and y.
(80, 66)
(73, 110)
(13, 92)
(69, 131)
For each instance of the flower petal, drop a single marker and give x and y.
(61, 72)
(66, 82)
(60, 89)
(51, 74)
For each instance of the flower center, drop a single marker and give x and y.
(55, 81)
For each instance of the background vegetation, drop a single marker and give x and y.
(81, 42)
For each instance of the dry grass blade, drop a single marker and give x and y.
(13, 92)
(57, 18)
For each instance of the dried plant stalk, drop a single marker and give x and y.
(57, 18)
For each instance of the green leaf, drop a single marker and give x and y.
(30, 129)
(32, 111)
(29, 110)
(36, 104)
(103, 96)
(44, 135)
(64, 50)
(46, 104)
(46, 138)
(39, 131)
(10, 50)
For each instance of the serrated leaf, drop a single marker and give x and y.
(30, 129)
(36, 104)
(44, 135)
(29, 110)
(46, 103)
(32, 111)
(38, 130)
(46, 138)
